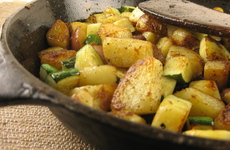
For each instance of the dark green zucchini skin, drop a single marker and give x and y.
(68, 64)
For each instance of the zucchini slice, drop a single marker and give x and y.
(93, 38)
(126, 8)
(87, 57)
(46, 69)
(172, 106)
(53, 78)
(67, 64)
(57, 76)
(178, 68)
(201, 120)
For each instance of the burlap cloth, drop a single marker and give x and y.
(33, 127)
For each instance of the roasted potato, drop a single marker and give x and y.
(185, 38)
(93, 75)
(212, 50)
(54, 58)
(203, 105)
(140, 90)
(78, 38)
(172, 106)
(59, 35)
(123, 52)
(112, 30)
(218, 71)
(130, 116)
(146, 23)
(225, 95)
(222, 121)
(211, 134)
(207, 86)
(95, 96)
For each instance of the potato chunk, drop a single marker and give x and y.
(172, 106)
(140, 90)
(225, 95)
(147, 23)
(212, 50)
(54, 58)
(196, 61)
(123, 52)
(185, 38)
(211, 134)
(222, 121)
(112, 30)
(130, 116)
(58, 35)
(217, 71)
(135, 15)
(207, 86)
(204, 105)
(103, 74)
(95, 96)
(78, 38)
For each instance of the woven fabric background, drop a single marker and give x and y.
(33, 127)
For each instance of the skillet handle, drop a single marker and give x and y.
(16, 83)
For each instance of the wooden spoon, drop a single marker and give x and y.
(188, 15)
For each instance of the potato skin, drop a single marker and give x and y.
(78, 38)
(185, 38)
(146, 23)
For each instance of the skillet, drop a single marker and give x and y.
(23, 36)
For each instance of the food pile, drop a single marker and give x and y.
(131, 65)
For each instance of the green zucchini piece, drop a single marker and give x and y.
(126, 8)
(168, 86)
(50, 81)
(53, 79)
(178, 68)
(93, 38)
(67, 84)
(201, 120)
(57, 76)
(46, 69)
(67, 64)
(87, 57)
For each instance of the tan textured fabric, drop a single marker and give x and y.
(33, 127)
(7, 8)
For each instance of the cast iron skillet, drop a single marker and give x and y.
(23, 36)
